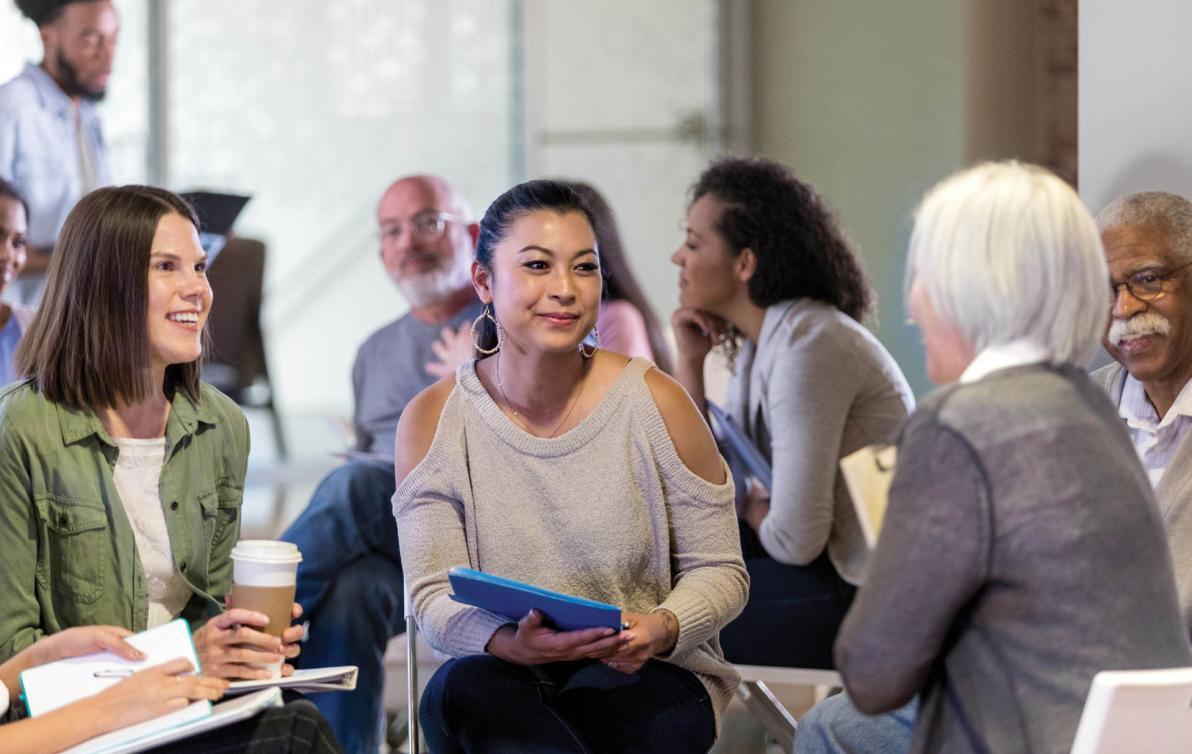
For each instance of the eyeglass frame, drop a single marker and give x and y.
(1162, 277)
(441, 219)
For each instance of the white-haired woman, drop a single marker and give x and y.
(1022, 550)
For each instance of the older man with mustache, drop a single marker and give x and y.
(1148, 245)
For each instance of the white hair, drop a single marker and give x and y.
(1169, 213)
(1007, 251)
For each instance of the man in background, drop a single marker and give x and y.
(350, 579)
(51, 139)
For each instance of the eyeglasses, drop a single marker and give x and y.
(427, 226)
(1146, 285)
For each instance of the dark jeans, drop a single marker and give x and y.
(350, 589)
(793, 613)
(295, 728)
(484, 704)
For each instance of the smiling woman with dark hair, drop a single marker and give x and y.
(121, 473)
(128, 467)
(578, 470)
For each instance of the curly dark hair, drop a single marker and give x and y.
(44, 12)
(800, 249)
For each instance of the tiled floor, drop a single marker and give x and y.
(276, 492)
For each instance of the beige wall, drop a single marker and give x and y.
(873, 102)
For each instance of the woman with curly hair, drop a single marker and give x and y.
(766, 273)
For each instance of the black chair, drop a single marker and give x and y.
(236, 362)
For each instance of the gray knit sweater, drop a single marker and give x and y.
(1022, 552)
(606, 511)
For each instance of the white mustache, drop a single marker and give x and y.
(1145, 323)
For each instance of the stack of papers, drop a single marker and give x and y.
(132, 739)
(339, 678)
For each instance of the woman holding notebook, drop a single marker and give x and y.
(295, 728)
(121, 474)
(577, 470)
(766, 275)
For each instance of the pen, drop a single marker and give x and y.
(113, 673)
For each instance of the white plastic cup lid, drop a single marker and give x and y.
(266, 551)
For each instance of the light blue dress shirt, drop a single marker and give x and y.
(10, 336)
(39, 149)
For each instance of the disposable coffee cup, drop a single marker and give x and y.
(264, 574)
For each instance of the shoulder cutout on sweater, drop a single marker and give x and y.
(687, 429)
(417, 425)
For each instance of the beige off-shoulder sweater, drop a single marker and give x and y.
(606, 511)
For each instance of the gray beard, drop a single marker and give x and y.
(433, 287)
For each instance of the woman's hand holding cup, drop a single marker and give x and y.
(234, 645)
(264, 577)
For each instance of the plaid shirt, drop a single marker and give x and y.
(1156, 441)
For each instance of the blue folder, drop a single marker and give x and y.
(513, 599)
(734, 441)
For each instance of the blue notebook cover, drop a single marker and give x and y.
(737, 442)
(513, 599)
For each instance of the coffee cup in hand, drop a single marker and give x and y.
(264, 575)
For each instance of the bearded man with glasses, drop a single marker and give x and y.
(350, 578)
(1148, 246)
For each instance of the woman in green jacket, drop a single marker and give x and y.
(121, 474)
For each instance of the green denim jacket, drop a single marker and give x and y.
(67, 554)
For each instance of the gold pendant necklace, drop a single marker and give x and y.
(517, 414)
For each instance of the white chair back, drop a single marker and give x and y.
(1135, 711)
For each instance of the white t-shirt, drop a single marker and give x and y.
(138, 476)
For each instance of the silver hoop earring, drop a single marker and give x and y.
(586, 352)
(487, 314)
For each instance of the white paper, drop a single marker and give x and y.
(56, 684)
(134, 739)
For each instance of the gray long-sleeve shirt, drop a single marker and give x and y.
(1022, 552)
(816, 387)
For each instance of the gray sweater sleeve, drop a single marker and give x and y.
(812, 386)
(430, 530)
(711, 584)
(931, 558)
